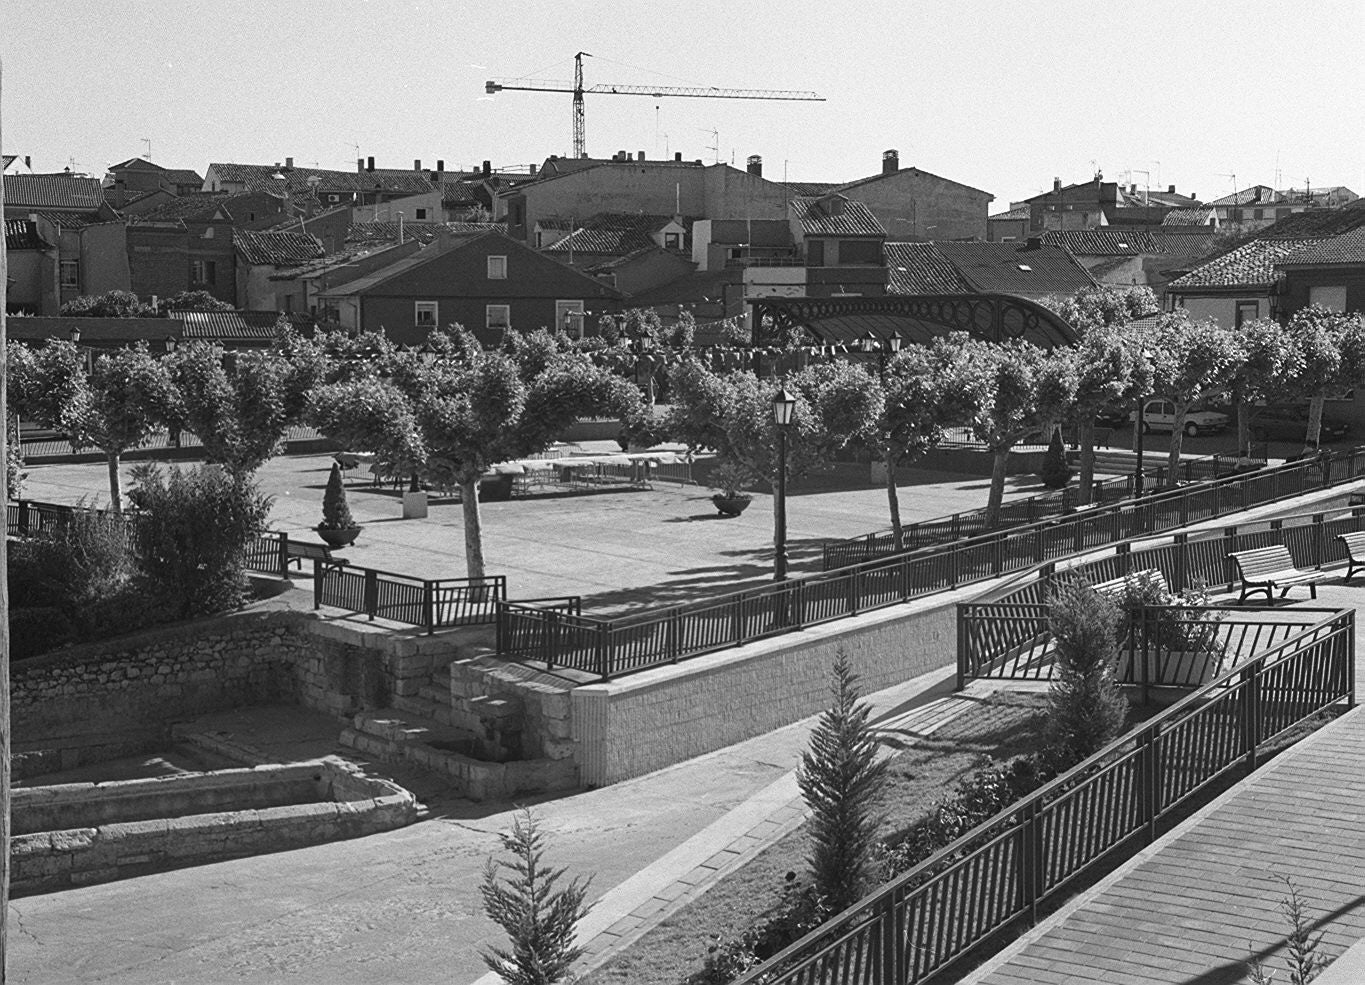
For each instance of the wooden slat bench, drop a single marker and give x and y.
(1355, 550)
(1265, 569)
(1114, 588)
(300, 551)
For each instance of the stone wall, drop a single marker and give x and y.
(650, 720)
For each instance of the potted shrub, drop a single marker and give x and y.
(338, 528)
(730, 479)
(1055, 472)
(1181, 637)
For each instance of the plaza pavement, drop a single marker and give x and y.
(616, 549)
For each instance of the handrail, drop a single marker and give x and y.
(651, 638)
(1036, 847)
(939, 530)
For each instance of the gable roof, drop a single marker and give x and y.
(1192, 244)
(53, 191)
(835, 215)
(1315, 224)
(883, 175)
(1254, 195)
(1008, 268)
(1102, 242)
(261, 177)
(203, 207)
(919, 268)
(1348, 248)
(22, 234)
(70, 220)
(239, 325)
(1188, 217)
(1019, 212)
(620, 233)
(276, 248)
(1249, 265)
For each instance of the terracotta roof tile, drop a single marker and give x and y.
(1316, 224)
(1022, 212)
(53, 191)
(619, 233)
(1102, 242)
(1187, 217)
(277, 249)
(835, 215)
(22, 234)
(234, 325)
(1347, 248)
(1008, 268)
(919, 268)
(261, 177)
(1250, 265)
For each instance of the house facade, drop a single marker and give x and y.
(185, 245)
(1330, 273)
(490, 282)
(915, 205)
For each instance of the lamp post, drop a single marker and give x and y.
(1138, 478)
(871, 342)
(784, 407)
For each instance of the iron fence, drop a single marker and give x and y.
(426, 602)
(1002, 871)
(613, 647)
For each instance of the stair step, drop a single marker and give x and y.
(437, 693)
(422, 708)
(404, 727)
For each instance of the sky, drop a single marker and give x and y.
(1003, 96)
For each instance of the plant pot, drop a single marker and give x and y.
(731, 504)
(339, 537)
(415, 505)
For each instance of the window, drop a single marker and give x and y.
(421, 214)
(569, 317)
(203, 271)
(334, 198)
(208, 232)
(815, 253)
(672, 241)
(425, 314)
(1330, 296)
(497, 268)
(498, 316)
(1246, 311)
(71, 273)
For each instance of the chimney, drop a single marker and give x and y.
(535, 168)
(487, 169)
(1132, 189)
(440, 166)
(417, 164)
(755, 165)
(359, 164)
(891, 161)
(1056, 185)
(369, 164)
(640, 155)
(289, 162)
(1034, 243)
(1171, 190)
(677, 156)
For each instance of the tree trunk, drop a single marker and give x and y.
(1177, 442)
(1244, 430)
(473, 525)
(115, 496)
(893, 501)
(997, 494)
(1085, 436)
(1313, 437)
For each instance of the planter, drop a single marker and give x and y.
(415, 505)
(731, 504)
(342, 537)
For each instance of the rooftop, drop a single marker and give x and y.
(1188, 217)
(1009, 268)
(261, 177)
(53, 191)
(1349, 248)
(239, 325)
(276, 248)
(22, 234)
(919, 268)
(619, 233)
(835, 215)
(1102, 242)
(1249, 265)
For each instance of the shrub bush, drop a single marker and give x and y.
(1054, 471)
(336, 512)
(1194, 630)
(191, 544)
(799, 910)
(1086, 709)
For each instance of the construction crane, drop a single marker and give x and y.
(578, 90)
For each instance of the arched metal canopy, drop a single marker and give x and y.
(918, 318)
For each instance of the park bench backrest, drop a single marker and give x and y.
(1262, 561)
(1355, 544)
(1114, 588)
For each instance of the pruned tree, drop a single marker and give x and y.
(240, 404)
(116, 406)
(524, 897)
(1022, 389)
(111, 304)
(1109, 373)
(1332, 347)
(920, 402)
(842, 782)
(1273, 362)
(1103, 306)
(1190, 361)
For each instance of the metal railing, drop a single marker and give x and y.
(427, 602)
(1019, 512)
(1004, 635)
(612, 647)
(1035, 850)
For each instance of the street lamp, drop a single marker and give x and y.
(871, 342)
(74, 335)
(170, 343)
(1141, 430)
(784, 407)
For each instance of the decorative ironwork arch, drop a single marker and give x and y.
(918, 318)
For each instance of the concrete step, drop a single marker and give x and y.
(402, 727)
(423, 708)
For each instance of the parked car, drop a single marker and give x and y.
(1291, 424)
(1159, 415)
(1111, 417)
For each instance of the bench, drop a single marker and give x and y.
(1355, 550)
(299, 551)
(1114, 588)
(1265, 569)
